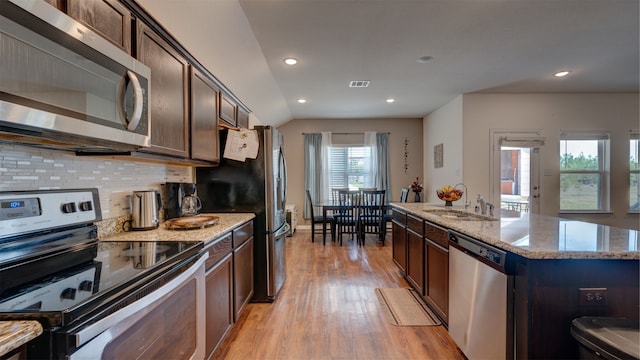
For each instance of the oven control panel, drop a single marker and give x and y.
(24, 212)
(57, 293)
(19, 208)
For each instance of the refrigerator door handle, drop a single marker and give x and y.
(286, 185)
(284, 229)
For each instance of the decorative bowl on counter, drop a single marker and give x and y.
(449, 194)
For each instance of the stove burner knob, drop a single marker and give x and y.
(86, 206)
(68, 293)
(86, 286)
(68, 208)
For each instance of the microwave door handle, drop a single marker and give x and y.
(138, 100)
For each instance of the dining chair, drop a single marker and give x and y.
(346, 217)
(334, 194)
(318, 219)
(404, 194)
(371, 216)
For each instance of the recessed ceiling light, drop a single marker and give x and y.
(390, 100)
(424, 59)
(561, 74)
(302, 101)
(290, 61)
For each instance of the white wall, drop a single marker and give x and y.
(443, 126)
(553, 113)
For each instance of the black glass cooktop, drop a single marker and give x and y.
(95, 286)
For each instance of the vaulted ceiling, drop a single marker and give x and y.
(488, 46)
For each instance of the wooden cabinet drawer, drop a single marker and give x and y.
(399, 216)
(415, 223)
(242, 234)
(219, 249)
(436, 234)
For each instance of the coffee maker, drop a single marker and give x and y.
(181, 200)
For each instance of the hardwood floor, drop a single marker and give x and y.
(327, 309)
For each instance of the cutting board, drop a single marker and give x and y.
(192, 222)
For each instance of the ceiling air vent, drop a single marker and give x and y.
(359, 83)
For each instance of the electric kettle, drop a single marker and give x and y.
(145, 209)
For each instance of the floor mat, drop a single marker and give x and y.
(404, 307)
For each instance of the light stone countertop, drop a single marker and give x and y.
(228, 222)
(14, 334)
(539, 237)
(17, 333)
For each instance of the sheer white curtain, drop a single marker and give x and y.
(371, 142)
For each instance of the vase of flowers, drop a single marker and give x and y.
(416, 187)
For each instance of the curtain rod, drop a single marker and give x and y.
(347, 133)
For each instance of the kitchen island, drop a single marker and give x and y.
(557, 269)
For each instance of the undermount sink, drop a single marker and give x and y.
(459, 215)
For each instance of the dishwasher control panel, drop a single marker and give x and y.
(479, 248)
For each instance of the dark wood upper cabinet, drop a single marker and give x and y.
(108, 18)
(204, 120)
(243, 118)
(228, 109)
(55, 3)
(168, 95)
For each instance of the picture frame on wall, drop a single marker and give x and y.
(438, 156)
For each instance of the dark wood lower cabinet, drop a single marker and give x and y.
(415, 260)
(243, 276)
(415, 252)
(219, 303)
(436, 269)
(399, 236)
(547, 299)
(229, 283)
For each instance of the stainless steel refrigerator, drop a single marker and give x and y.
(257, 186)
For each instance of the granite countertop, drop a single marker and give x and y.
(228, 222)
(14, 334)
(538, 237)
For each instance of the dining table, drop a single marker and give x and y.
(333, 207)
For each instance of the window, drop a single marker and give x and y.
(584, 172)
(634, 173)
(350, 166)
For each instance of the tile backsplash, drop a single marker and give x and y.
(32, 168)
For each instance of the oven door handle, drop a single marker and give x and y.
(135, 310)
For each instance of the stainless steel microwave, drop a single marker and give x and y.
(64, 86)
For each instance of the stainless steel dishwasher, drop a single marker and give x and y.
(480, 305)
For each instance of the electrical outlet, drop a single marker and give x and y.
(593, 296)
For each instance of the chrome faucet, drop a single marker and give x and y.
(490, 206)
(466, 203)
(480, 200)
(484, 205)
